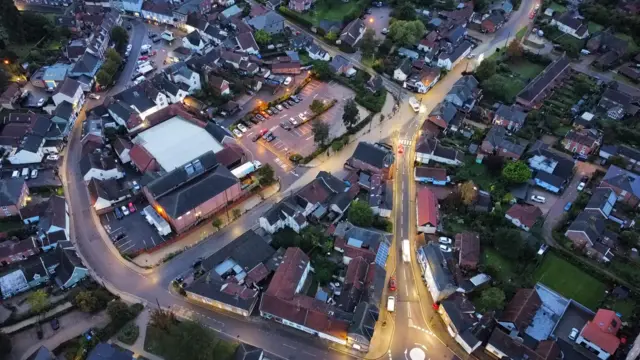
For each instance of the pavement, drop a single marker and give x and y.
(413, 318)
(138, 347)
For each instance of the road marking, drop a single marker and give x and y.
(124, 243)
(273, 128)
(309, 138)
(294, 173)
(154, 242)
(310, 354)
(124, 250)
(289, 346)
(112, 231)
(409, 309)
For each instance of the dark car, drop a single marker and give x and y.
(39, 333)
(296, 99)
(285, 125)
(129, 26)
(152, 35)
(118, 213)
(156, 39)
(247, 124)
(291, 102)
(273, 110)
(255, 137)
(255, 120)
(261, 118)
(286, 106)
(120, 236)
(55, 324)
(270, 137)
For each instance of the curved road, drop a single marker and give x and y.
(406, 330)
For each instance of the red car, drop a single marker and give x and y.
(263, 131)
(143, 58)
(132, 208)
(392, 284)
(532, 15)
(400, 149)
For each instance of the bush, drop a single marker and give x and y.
(286, 12)
(383, 224)
(129, 333)
(295, 158)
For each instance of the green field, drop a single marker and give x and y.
(505, 268)
(633, 47)
(594, 27)
(558, 7)
(332, 11)
(570, 281)
(525, 69)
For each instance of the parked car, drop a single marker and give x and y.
(41, 101)
(135, 186)
(280, 107)
(34, 173)
(94, 96)
(15, 174)
(52, 157)
(392, 284)
(255, 137)
(237, 132)
(268, 111)
(284, 103)
(242, 128)
(118, 213)
(296, 99)
(538, 199)
(445, 248)
(293, 121)
(581, 186)
(132, 208)
(567, 206)
(125, 211)
(129, 47)
(385, 31)
(263, 132)
(285, 126)
(574, 334)
(444, 240)
(274, 110)
(287, 81)
(55, 324)
(291, 102)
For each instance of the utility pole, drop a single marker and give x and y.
(506, 41)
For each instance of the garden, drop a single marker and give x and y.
(336, 11)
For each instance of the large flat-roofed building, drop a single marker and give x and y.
(162, 140)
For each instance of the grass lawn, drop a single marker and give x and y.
(504, 266)
(520, 33)
(332, 11)
(570, 281)
(513, 86)
(594, 27)
(558, 7)
(525, 68)
(633, 47)
(624, 307)
(156, 340)
(476, 172)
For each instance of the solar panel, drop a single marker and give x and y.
(383, 253)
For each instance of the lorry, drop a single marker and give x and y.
(153, 218)
(246, 169)
(406, 251)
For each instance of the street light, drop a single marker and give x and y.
(371, 20)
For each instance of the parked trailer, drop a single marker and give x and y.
(156, 220)
(406, 251)
(246, 169)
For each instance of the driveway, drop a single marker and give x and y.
(378, 20)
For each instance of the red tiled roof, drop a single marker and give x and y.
(427, 207)
(257, 274)
(289, 273)
(229, 155)
(602, 330)
(469, 243)
(9, 248)
(430, 39)
(354, 252)
(522, 308)
(356, 271)
(142, 159)
(315, 192)
(527, 214)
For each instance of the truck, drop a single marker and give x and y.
(153, 218)
(246, 169)
(406, 251)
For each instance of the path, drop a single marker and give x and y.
(32, 320)
(138, 347)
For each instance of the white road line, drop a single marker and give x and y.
(273, 128)
(125, 250)
(309, 354)
(112, 231)
(309, 138)
(124, 243)
(409, 309)
(154, 242)
(289, 346)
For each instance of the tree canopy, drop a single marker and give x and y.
(266, 175)
(320, 131)
(404, 11)
(468, 192)
(405, 33)
(351, 114)
(120, 37)
(317, 106)
(262, 37)
(516, 172)
(491, 299)
(368, 44)
(360, 214)
(486, 69)
(322, 70)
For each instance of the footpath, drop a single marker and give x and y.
(138, 347)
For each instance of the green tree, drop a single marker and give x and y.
(111, 67)
(508, 242)
(190, 341)
(486, 69)
(266, 175)
(113, 55)
(629, 238)
(262, 37)
(491, 299)
(120, 37)
(323, 269)
(320, 131)
(331, 36)
(515, 50)
(404, 11)
(480, 6)
(322, 70)
(216, 223)
(103, 78)
(468, 192)
(312, 237)
(316, 106)
(38, 301)
(5, 346)
(351, 114)
(87, 301)
(368, 44)
(360, 214)
(236, 213)
(516, 172)
(406, 32)
(161, 319)
(495, 87)
(119, 311)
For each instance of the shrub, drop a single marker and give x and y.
(129, 333)
(286, 12)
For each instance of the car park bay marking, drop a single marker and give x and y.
(309, 138)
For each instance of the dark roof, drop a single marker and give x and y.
(522, 308)
(86, 64)
(351, 32)
(194, 38)
(42, 354)
(544, 79)
(364, 320)
(438, 174)
(96, 160)
(68, 87)
(512, 113)
(247, 352)
(192, 184)
(63, 110)
(469, 245)
(570, 20)
(105, 351)
(590, 222)
(136, 96)
(373, 155)
(105, 189)
(10, 191)
(497, 137)
(623, 179)
(338, 61)
(527, 214)
(69, 261)
(445, 110)
(438, 265)
(515, 349)
(246, 41)
(456, 34)
(622, 150)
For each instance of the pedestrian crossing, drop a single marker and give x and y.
(406, 142)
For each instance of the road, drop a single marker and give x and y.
(411, 331)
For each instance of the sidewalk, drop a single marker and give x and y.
(204, 230)
(138, 347)
(32, 320)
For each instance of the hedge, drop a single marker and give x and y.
(286, 12)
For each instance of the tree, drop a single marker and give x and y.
(113, 55)
(485, 70)
(618, 161)
(351, 114)
(480, 6)
(491, 299)
(216, 223)
(266, 175)
(331, 36)
(494, 164)
(323, 269)
(236, 213)
(103, 78)
(38, 301)
(495, 87)
(629, 238)
(516, 172)
(5, 345)
(119, 312)
(515, 50)
(316, 106)
(322, 70)
(161, 319)
(508, 242)
(312, 237)
(406, 32)
(368, 43)
(86, 301)
(262, 37)
(189, 340)
(120, 37)
(404, 11)
(320, 131)
(468, 192)
(360, 214)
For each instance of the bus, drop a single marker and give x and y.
(406, 248)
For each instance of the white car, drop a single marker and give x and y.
(538, 199)
(303, 116)
(237, 132)
(445, 248)
(129, 47)
(124, 209)
(145, 47)
(242, 128)
(287, 81)
(581, 186)
(444, 240)
(52, 157)
(94, 96)
(471, 56)
(385, 31)
(574, 334)
(41, 101)
(34, 173)
(293, 121)
(415, 104)
(280, 107)
(391, 304)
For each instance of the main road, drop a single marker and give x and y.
(406, 330)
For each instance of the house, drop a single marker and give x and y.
(552, 170)
(300, 5)
(316, 52)
(504, 346)
(404, 52)
(427, 211)
(497, 142)
(429, 149)
(284, 214)
(270, 22)
(568, 23)
(583, 142)
(422, 81)
(631, 71)
(511, 117)
(243, 258)
(286, 68)
(629, 154)
(374, 84)
(436, 272)
(131, 107)
(49, 77)
(459, 316)
(599, 335)
(64, 265)
(9, 98)
(104, 194)
(534, 93)
(71, 92)
(22, 276)
(493, 22)
(352, 33)
(624, 183)
(431, 175)
(173, 194)
(245, 351)
(99, 165)
(247, 43)
(603, 200)
(449, 60)
(159, 11)
(402, 72)
(14, 251)
(468, 245)
(446, 116)
(194, 42)
(104, 351)
(85, 69)
(588, 232)
(340, 65)
(13, 196)
(464, 93)
(523, 216)
(122, 147)
(429, 42)
(373, 159)
(219, 85)
(456, 35)
(520, 311)
(615, 104)
(64, 116)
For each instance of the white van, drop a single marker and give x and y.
(25, 172)
(15, 174)
(167, 35)
(138, 80)
(391, 304)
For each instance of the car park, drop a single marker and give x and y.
(444, 240)
(242, 128)
(34, 173)
(237, 132)
(538, 199)
(125, 211)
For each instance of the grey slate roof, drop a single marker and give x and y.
(247, 352)
(623, 179)
(446, 110)
(88, 63)
(591, 223)
(438, 265)
(372, 155)
(10, 191)
(68, 87)
(105, 351)
(64, 110)
(512, 113)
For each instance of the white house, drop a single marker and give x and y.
(316, 52)
(180, 73)
(29, 151)
(194, 42)
(436, 274)
(571, 25)
(99, 166)
(70, 91)
(105, 193)
(403, 71)
(431, 150)
(283, 215)
(450, 60)
(141, 101)
(159, 11)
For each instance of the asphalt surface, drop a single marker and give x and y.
(410, 337)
